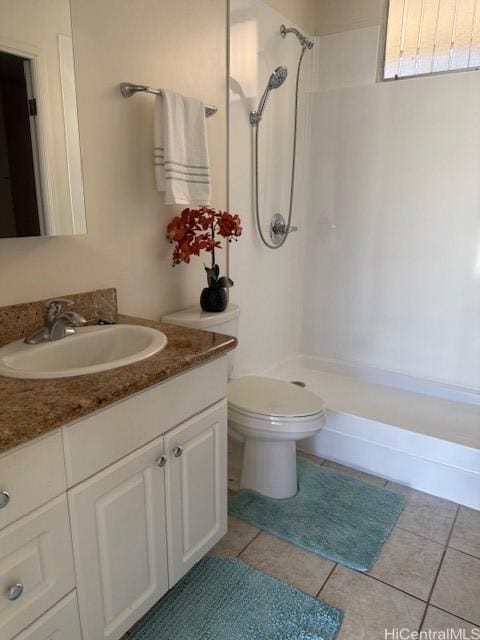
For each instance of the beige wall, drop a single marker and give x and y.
(177, 44)
(335, 16)
(323, 17)
(302, 12)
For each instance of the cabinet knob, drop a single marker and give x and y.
(15, 591)
(4, 499)
(161, 461)
(177, 452)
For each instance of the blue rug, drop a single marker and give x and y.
(334, 515)
(226, 599)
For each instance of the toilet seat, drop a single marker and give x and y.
(272, 428)
(275, 408)
(284, 401)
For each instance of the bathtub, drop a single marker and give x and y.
(418, 433)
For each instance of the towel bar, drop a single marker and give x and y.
(128, 89)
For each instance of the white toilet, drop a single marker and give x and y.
(267, 414)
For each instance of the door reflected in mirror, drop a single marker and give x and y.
(41, 186)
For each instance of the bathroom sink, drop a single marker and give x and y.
(89, 350)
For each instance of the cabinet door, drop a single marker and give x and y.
(196, 477)
(59, 623)
(119, 539)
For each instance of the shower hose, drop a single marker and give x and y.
(292, 176)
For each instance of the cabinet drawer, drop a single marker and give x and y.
(31, 475)
(103, 438)
(36, 553)
(61, 622)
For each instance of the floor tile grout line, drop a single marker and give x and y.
(422, 619)
(368, 575)
(326, 579)
(454, 615)
(439, 568)
(440, 544)
(249, 543)
(363, 573)
(465, 553)
(444, 552)
(387, 584)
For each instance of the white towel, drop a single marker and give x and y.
(181, 150)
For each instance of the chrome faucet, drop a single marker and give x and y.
(58, 323)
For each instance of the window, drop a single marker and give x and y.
(431, 36)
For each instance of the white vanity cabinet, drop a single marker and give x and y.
(135, 494)
(120, 518)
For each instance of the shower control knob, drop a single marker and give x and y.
(177, 452)
(279, 229)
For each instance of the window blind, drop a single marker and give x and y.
(431, 36)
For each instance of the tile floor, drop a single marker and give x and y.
(427, 575)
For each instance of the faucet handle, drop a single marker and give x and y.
(56, 305)
(54, 308)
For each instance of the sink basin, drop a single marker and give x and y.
(89, 350)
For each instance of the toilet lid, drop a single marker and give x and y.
(268, 396)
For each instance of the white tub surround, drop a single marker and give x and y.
(266, 282)
(392, 261)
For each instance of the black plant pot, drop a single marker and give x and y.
(214, 300)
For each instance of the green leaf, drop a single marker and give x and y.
(225, 282)
(211, 276)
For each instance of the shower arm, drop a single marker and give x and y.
(306, 44)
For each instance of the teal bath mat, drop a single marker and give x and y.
(226, 599)
(335, 515)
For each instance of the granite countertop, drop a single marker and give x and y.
(31, 408)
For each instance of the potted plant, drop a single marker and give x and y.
(200, 229)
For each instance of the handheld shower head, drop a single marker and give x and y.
(275, 81)
(277, 78)
(306, 44)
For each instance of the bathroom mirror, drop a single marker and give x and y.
(41, 186)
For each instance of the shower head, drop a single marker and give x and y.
(276, 80)
(306, 44)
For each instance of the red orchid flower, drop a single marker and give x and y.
(197, 230)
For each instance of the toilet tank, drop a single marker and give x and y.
(225, 322)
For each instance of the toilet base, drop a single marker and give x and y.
(270, 468)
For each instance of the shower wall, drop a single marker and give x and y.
(392, 253)
(268, 284)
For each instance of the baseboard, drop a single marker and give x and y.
(443, 469)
